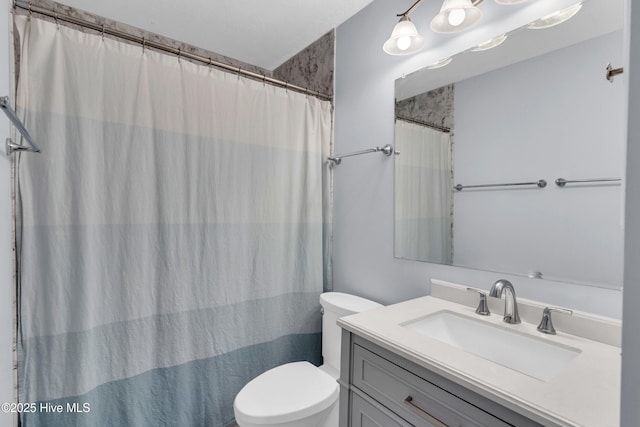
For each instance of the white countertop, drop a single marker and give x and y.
(585, 393)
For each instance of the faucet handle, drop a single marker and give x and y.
(483, 308)
(546, 326)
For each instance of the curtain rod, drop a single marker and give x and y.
(426, 124)
(144, 42)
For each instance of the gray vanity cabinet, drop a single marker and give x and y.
(380, 388)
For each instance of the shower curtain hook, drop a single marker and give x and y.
(238, 73)
(144, 44)
(179, 53)
(30, 11)
(55, 16)
(102, 32)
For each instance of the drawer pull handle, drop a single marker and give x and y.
(418, 410)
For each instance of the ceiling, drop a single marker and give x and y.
(257, 32)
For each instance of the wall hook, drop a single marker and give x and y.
(612, 72)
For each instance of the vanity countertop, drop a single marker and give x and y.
(585, 393)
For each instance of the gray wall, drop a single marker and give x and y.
(363, 186)
(543, 119)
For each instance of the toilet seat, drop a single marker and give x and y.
(286, 393)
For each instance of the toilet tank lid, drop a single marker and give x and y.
(345, 304)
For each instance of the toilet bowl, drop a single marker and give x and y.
(300, 394)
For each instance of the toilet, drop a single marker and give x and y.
(300, 394)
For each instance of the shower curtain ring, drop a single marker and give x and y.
(144, 44)
(55, 16)
(102, 32)
(179, 53)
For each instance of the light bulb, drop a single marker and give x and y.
(403, 42)
(456, 17)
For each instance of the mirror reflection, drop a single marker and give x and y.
(553, 115)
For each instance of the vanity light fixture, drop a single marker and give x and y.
(491, 43)
(404, 38)
(455, 15)
(555, 18)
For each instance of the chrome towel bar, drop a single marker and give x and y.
(561, 182)
(387, 149)
(541, 183)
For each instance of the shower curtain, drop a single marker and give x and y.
(423, 187)
(172, 233)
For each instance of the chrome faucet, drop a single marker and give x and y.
(504, 287)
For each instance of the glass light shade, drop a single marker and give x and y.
(508, 2)
(555, 18)
(404, 39)
(441, 63)
(451, 17)
(491, 43)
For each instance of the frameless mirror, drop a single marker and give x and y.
(535, 108)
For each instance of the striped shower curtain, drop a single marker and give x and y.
(171, 234)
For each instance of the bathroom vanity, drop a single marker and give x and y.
(433, 361)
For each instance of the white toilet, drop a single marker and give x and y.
(300, 394)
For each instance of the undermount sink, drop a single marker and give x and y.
(524, 353)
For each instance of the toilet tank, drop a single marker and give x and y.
(334, 306)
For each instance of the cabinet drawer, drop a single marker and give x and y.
(413, 398)
(364, 414)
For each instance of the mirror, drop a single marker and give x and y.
(536, 108)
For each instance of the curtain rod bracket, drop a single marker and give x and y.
(10, 145)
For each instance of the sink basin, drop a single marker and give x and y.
(524, 353)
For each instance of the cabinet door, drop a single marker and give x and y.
(364, 414)
(413, 398)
